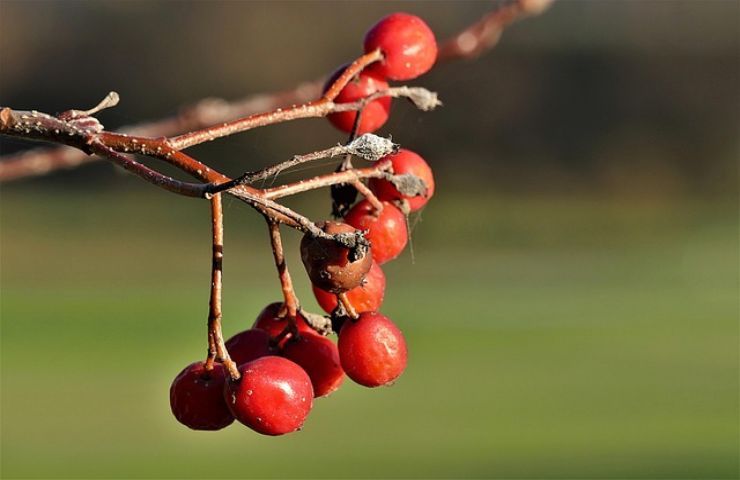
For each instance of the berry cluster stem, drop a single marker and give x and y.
(368, 194)
(286, 283)
(344, 301)
(347, 165)
(216, 348)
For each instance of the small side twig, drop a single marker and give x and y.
(369, 195)
(379, 170)
(110, 100)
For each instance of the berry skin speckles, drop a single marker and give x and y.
(372, 350)
(272, 397)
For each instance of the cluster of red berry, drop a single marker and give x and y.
(284, 363)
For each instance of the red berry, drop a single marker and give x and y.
(197, 399)
(372, 350)
(270, 321)
(375, 113)
(273, 396)
(405, 161)
(407, 43)
(329, 264)
(247, 345)
(387, 230)
(368, 297)
(319, 357)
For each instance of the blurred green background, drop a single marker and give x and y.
(571, 305)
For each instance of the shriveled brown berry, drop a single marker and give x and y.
(331, 266)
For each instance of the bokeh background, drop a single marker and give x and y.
(571, 304)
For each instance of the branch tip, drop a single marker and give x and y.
(425, 100)
(535, 7)
(110, 100)
(6, 118)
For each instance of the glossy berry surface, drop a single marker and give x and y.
(368, 297)
(273, 396)
(405, 161)
(319, 357)
(407, 43)
(372, 350)
(328, 263)
(248, 345)
(375, 113)
(271, 322)
(387, 230)
(197, 400)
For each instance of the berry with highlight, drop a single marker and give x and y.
(407, 43)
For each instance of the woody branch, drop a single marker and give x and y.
(86, 133)
(470, 42)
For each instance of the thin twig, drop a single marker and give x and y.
(187, 189)
(348, 308)
(318, 108)
(286, 284)
(344, 195)
(335, 178)
(215, 335)
(369, 195)
(485, 33)
(369, 147)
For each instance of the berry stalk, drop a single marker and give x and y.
(216, 349)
